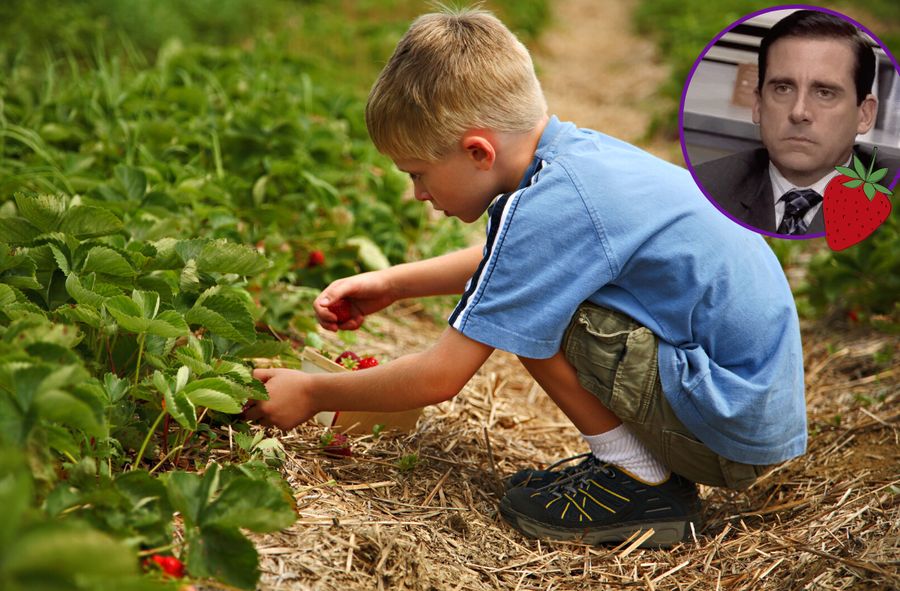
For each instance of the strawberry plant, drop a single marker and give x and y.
(104, 338)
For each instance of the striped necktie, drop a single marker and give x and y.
(798, 202)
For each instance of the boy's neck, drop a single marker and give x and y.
(519, 152)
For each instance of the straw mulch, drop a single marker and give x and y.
(827, 520)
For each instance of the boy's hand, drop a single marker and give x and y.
(289, 403)
(345, 303)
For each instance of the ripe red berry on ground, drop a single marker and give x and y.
(169, 565)
(854, 204)
(316, 258)
(366, 362)
(336, 444)
(342, 310)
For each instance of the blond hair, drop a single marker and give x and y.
(452, 71)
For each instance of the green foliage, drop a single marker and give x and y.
(863, 279)
(166, 169)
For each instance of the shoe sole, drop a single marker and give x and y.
(665, 533)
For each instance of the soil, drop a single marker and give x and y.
(597, 72)
(826, 520)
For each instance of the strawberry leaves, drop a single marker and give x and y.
(867, 178)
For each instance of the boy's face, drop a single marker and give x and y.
(462, 184)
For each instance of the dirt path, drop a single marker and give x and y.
(587, 63)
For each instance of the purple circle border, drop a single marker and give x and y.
(690, 77)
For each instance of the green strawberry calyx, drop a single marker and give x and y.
(868, 179)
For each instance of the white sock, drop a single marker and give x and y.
(620, 447)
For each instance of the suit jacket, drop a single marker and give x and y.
(740, 184)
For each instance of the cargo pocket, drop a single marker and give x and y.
(615, 359)
(691, 459)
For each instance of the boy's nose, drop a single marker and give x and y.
(423, 196)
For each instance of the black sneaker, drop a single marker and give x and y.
(532, 478)
(602, 504)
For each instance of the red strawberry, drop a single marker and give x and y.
(316, 258)
(336, 444)
(348, 359)
(342, 310)
(170, 565)
(854, 204)
(366, 363)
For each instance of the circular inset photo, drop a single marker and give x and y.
(784, 106)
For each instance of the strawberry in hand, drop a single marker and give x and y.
(342, 310)
(854, 204)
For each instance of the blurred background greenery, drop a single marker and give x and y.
(327, 54)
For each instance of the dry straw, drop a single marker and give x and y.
(828, 520)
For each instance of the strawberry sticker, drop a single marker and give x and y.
(855, 204)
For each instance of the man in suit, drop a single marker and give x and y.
(813, 97)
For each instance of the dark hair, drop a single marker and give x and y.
(815, 24)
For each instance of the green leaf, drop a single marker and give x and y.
(869, 190)
(858, 166)
(68, 552)
(43, 211)
(182, 377)
(115, 387)
(227, 257)
(133, 181)
(16, 490)
(147, 301)
(182, 409)
(224, 554)
(853, 184)
(268, 349)
(370, 255)
(846, 171)
(102, 259)
(82, 294)
(61, 259)
(877, 175)
(189, 280)
(185, 494)
(213, 394)
(883, 189)
(15, 230)
(259, 190)
(256, 505)
(7, 296)
(65, 409)
(224, 316)
(80, 313)
(86, 221)
(127, 314)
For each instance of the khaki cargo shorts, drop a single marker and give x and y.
(616, 360)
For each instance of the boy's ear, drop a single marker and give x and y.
(480, 149)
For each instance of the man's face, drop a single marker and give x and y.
(807, 109)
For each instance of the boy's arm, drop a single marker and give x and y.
(412, 381)
(443, 275)
(370, 292)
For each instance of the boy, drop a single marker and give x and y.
(664, 332)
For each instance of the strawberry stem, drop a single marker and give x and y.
(871, 164)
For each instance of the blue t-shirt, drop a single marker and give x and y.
(596, 219)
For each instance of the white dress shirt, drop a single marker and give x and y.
(781, 185)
